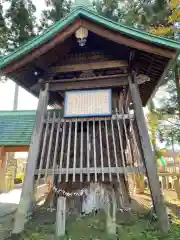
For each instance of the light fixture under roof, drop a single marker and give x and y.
(81, 35)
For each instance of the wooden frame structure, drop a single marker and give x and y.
(3, 160)
(114, 57)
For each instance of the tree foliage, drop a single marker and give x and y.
(3, 32)
(169, 109)
(169, 26)
(171, 104)
(143, 14)
(109, 8)
(140, 14)
(56, 9)
(153, 118)
(20, 21)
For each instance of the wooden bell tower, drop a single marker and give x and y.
(97, 82)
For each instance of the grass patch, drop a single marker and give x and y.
(138, 227)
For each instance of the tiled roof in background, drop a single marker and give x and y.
(16, 127)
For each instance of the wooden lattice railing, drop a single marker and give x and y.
(99, 149)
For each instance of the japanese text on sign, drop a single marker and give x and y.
(88, 103)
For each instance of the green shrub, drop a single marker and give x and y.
(20, 176)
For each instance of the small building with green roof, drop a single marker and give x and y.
(16, 128)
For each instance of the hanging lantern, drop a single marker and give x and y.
(81, 35)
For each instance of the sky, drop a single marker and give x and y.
(25, 101)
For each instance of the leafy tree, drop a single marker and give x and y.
(140, 14)
(153, 118)
(21, 22)
(143, 14)
(109, 8)
(56, 9)
(169, 28)
(169, 109)
(3, 32)
(171, 105)
(171, 133)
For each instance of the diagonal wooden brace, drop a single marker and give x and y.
(149, 158)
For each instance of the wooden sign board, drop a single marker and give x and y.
(88, 103)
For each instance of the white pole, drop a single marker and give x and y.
(61, 217)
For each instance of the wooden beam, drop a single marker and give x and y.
(149, 158)
(16, 148)
(2, 152)
(27, 194)
(114, 76)
(58, 38)
(122, 39)
(92, 170)
(2, 168)
(169, 174)
(113, 117)
(90, 66)
(87, 83)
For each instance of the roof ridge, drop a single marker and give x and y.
(17, 112)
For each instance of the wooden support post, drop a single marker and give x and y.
(164, 184)
(28, 186)
(149, 158)
(177, 187)
(139, 181)
(2, 169)
(10, 171)
(61, 217)
(111, 215)
(167, 182)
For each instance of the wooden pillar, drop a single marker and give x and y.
(111, 209)
(139, 180)
(10, 171)
(149, 158)
(164, 183)
(27, 194)
(177, 187)
(2, 168)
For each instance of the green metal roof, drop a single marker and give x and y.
(88, 14)
(16, 127)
